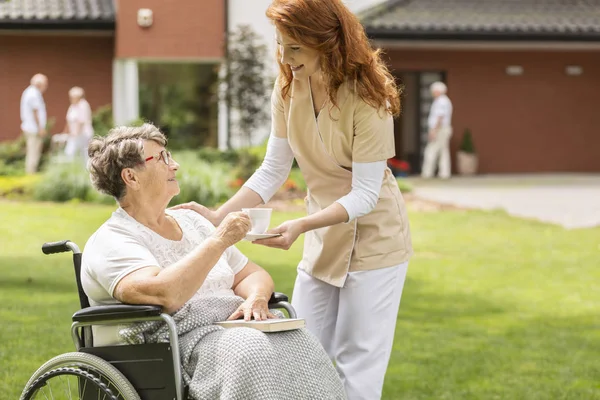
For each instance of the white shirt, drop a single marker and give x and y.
(123, 245)
(32, 99)
(367, 178)
(441, 107)
(80, 113)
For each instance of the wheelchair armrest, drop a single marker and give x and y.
(277, 297)
(116, 312)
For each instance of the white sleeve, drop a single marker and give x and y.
(443, 107)
(113, 254)
(367, 179)
(274, 169)
(235, 259)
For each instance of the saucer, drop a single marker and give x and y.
(255, 236)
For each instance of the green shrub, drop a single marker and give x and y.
(102, 120)
(62, 182)
(207, 183)
(12, 157)
(298, 179)
(66, 182)
(404, 186)
(12, 154)
(243, 162)
(17, 186)
(199, 181)
(466, 144)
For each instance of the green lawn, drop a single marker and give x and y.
(493, 308)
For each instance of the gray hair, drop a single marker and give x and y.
(122, 148)
(76, 91)
(38, 79)
(439, 87)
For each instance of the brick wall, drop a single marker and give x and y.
(541, 121)
(67, 61)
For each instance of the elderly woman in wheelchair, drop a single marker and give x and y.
(175, 259)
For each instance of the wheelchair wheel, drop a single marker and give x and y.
(78, 376)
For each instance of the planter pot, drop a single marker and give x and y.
(466, 163)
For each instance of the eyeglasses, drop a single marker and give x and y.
(163, 155)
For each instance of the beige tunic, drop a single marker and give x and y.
(325, 148)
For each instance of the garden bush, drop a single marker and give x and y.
(12, 156)
(205, 182)
(243, 162)
(62, 182)
(17, 187)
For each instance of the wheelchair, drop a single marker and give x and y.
(127, 372)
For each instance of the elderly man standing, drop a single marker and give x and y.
(440, 131)
(33, 120)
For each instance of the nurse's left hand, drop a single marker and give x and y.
(289, 230)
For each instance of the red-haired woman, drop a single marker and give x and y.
(332, 109)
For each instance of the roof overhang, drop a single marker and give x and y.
(492, 36)
(498, 45)
(62, 25)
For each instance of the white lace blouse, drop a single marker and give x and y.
(122, 245)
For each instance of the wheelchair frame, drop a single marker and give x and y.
(133, 360)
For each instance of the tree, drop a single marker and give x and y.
(246, 82)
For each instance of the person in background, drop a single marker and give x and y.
(33, 120)
(440, 131)
(79, 125)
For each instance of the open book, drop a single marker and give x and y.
(269, 325)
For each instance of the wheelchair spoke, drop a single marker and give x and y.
(69, 383)
(68, 388)
(84, 386)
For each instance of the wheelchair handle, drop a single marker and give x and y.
(60, 247)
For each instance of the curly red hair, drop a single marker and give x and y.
(329, 27)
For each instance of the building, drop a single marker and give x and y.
(103, 46)
(100, 46)
(523, 77)
(522, 74)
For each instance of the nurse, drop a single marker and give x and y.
(332, 109)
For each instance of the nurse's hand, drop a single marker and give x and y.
(289, 230)
(212, 216)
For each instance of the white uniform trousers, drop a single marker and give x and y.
(355, 323)
(437, 152)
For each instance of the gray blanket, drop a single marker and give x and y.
(242, 363)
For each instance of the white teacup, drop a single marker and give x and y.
(260, 218)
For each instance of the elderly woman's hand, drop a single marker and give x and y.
(234, 228)
(213, 216)
(255, 306)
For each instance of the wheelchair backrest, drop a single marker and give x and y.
(61, 247)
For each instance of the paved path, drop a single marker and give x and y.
(572, 201)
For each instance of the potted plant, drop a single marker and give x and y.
(400, 168)
(466, 157)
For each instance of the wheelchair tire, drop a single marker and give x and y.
(109, 380)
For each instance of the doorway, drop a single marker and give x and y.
(410, 128)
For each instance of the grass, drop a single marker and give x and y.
(493, 308)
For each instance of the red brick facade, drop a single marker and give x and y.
(185, 29)
(68, 61)
(541, 121)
